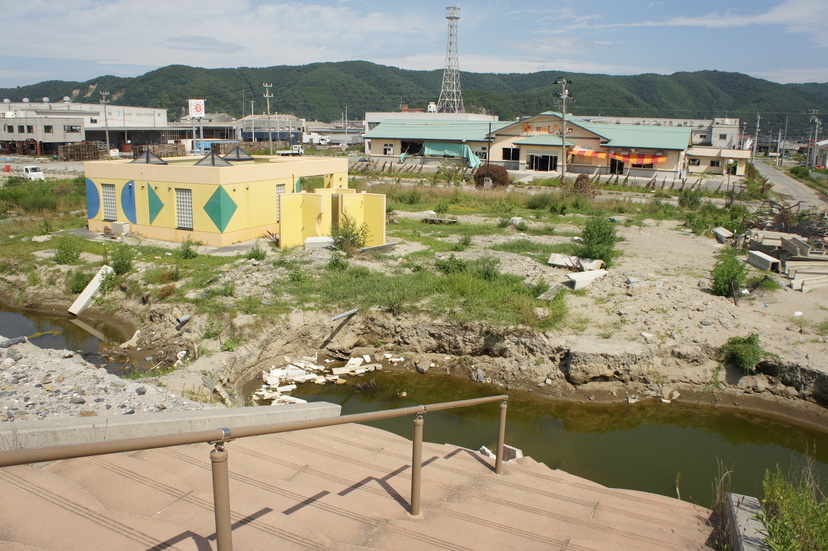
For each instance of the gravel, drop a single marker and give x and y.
(37, 383)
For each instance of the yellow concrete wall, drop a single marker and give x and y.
(290, 216)
(374, 216)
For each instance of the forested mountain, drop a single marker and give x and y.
(323, 90)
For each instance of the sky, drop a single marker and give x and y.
(779, 40)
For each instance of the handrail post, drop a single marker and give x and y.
(221, 497)
(416, 464)
(501, 437)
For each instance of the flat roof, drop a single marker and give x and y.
(435, 130)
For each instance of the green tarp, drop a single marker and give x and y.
(449, 150)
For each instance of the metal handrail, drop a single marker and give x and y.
(218, 456)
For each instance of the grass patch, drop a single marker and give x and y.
(534, 250)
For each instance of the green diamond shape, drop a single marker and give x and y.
(155, 203)
(220, 208)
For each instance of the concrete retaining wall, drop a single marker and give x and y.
(15, 435)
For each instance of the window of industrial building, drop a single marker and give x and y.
(48, 128)
(109, 204)
(722, 136)
(280, 189)
(715, 163)
(387, 149)
(93, 121)
(694, 162)
(511, 153)
(184, 209)
(20, 128)
(30, 129)
(10, 129)
(702, 136)
(69, 128)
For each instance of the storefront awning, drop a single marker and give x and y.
(588, 153)
(639, 159)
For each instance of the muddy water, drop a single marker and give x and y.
(649, 447)
(95, 338)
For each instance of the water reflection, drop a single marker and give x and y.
(648, 447)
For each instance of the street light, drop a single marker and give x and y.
(564, 95)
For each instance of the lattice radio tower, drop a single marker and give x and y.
(451, 101)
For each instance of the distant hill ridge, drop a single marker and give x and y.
(323, 90)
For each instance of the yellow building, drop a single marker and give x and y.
(219, 201)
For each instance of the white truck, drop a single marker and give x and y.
(33, 173)
(294, 151)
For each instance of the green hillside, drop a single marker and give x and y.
(323, 90)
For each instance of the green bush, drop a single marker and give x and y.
(68, 249)
(743, 353)
(78, 282)
(187, 249)
(122, 258)
(728, 268)
(450, 265)
(599, 238)
(338, 262)
(794, 512)
(690, 199)
(348, 236)
(487, 268)
(256, 252)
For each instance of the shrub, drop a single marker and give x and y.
(348, 236)
(498, 174)
(450, 265)
(165, 292)
(599, 240)
(187, 250)
(442, 206)
(728, 269)
(256, 253)
(795, 511)
(487, 268)
(581, 187)
(743, 352)
(122, 258)
(68, 249)
(690, 199)
(78, 281)
(338, 262)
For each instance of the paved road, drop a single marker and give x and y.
(790, 191)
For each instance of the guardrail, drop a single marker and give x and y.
(220, 437)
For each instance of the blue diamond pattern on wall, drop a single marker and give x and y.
(220, 208)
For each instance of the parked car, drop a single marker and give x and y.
(33, 173)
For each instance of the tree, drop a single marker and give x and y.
(498, 174)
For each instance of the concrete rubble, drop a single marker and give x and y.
(279, 382)
(790, 254)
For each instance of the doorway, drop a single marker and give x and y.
(616, 166)
(542, 163)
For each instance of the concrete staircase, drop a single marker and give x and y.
(342, 488)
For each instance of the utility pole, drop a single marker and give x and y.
(104, 102)
(755, 140)
(252, 122)
(267, 96)
(564, 95)
(345, 125)
(779, 148)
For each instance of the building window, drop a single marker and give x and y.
(30, 129)
(93, 121)
(694, 162)
(387, 149)
(716, 163)
(511, 153)
(48, 129)
(71, 128)
(110, 208)
(10, 129)
(702, 136)
(20, 128)
(722, 136)
(642, 166)
(280, 189)
(184, 209)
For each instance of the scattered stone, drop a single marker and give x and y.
(76, 400)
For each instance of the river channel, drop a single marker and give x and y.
(669, 449)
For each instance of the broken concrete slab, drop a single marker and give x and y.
(574, 262)
(318, 242)
(552, 292)
(88, 295)
(722, 234)
(763, 261)
(582, 279)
